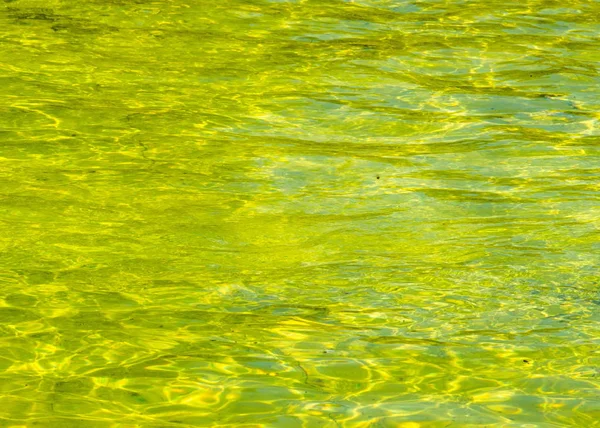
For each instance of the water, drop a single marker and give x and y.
(316, 213)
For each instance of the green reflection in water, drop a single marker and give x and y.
(316, 213)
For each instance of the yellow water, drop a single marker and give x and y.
(312, 213)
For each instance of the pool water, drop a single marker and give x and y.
(311, 213)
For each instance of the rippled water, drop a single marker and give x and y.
(314, 213)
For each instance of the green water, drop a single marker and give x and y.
(314, 213)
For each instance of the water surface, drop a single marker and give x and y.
(316, 213)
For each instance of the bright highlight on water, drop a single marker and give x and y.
(311, 213)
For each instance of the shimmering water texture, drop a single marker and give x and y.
(316, 213)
